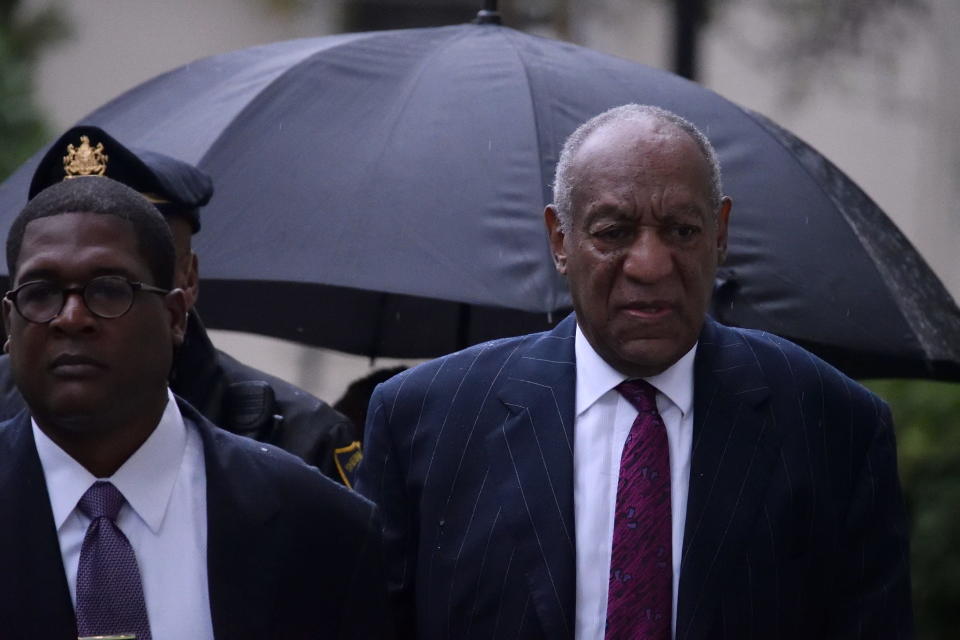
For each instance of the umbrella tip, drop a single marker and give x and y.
(489, 14)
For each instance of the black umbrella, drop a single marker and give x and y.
(381, 193)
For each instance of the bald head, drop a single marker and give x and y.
(655, 118)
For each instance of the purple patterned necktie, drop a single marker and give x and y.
(109, 592)
(639, 606)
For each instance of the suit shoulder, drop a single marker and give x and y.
(269, 470)
(475, 367)
(485, 354)
(786, 364)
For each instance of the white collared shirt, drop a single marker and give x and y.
(603, 420)
(165, 520)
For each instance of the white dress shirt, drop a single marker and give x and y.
(164, 518)
(603, 420)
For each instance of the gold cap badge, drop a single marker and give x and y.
(85, 160)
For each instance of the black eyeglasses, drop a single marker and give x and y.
(40, 301)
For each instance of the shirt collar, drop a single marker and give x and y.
(595, 377)
(146, 479)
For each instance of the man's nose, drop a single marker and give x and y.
(648, 259)
(74, 314)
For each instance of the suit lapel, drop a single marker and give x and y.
(243, 567)
(735, 448)
(34, 589)
(531, 453)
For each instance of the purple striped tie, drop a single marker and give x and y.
(641, 567)
(109, 592)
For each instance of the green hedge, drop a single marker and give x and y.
(927, 416)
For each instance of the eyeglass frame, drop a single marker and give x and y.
(65, 292)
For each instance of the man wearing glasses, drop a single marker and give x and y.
(126, 513)
(230, 394)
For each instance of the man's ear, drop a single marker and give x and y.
(176, 303)
(556, 235)
(723, 221)
(190, 280)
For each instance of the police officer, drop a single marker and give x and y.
(229, 393)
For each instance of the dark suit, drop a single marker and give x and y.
(272, 523)
(242, 400)
(795, 526)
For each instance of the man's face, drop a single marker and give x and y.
(79, 366)
(643, 244)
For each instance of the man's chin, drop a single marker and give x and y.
(73, 410)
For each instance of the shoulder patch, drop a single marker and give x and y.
(347, 459)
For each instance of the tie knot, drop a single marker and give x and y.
(640, 393)
(102, 499)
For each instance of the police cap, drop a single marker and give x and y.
(175, 187)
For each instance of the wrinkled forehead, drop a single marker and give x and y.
(621, 156)
(646, 143)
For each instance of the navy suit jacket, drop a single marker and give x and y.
(290, 554)
(795, 526)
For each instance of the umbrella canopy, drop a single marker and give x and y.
(382, 193)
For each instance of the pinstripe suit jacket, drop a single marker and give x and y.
(795, 526)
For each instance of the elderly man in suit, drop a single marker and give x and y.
(640, 471)
(126, 513)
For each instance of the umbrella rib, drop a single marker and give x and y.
(536, 121)
(278, 78)
(438, 52)
(544, 179)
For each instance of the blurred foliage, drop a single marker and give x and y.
(810, 36)
(815, 29)
(927, 418)
(23, 36)
(814, 36)
(819, 29)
